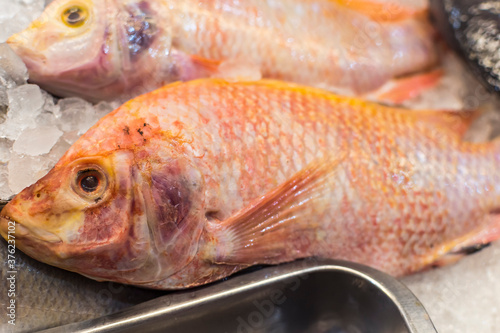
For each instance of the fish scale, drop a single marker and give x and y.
(301, 144)
(207, 177)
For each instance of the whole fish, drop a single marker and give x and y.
(194, 181)
(104, 49)
(45, 296)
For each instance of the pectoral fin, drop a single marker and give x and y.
(191, 67)
(399, 90)
(268, 230)
(237, 70)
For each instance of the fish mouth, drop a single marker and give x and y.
(30, 57)
(11, 229)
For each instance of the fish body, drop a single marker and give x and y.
(194, 181)
(105, 49)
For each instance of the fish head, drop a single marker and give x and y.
(80, 216)
(130, 213)
(71, 46)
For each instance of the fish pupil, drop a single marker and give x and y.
(74, 17)
(89, 183)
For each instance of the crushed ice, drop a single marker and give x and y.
(35, 128)
(17, 15)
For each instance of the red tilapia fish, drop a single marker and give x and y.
(104, 49)
(197, 180)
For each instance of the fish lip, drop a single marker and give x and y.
(31, 58)
(21, 231)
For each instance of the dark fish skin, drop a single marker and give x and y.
(472, 28)
(46, 296)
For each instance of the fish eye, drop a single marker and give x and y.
(90, 184)
(75, 16)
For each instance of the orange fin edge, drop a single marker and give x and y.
(193, 67)
(406, 88)
(230, 70)
(383, 11)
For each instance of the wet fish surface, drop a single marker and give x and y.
(46, 296)
(104, 49)
(197, 180)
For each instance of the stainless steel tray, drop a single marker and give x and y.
(306, 296)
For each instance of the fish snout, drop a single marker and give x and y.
(19, 42)
(8, 228)
(16, 40)
(12, 228)
(28, 48)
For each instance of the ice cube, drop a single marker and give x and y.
(5, 191)
(103, 108)
(4, 104)
(17, 15)
(46, 119)
(50, 103)
(76, 115)
(57, 152)
(5, 150)
(25, 104)
(70, 137)
(25, 171)
(37, 141)
(25, 101)
(13, 71)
